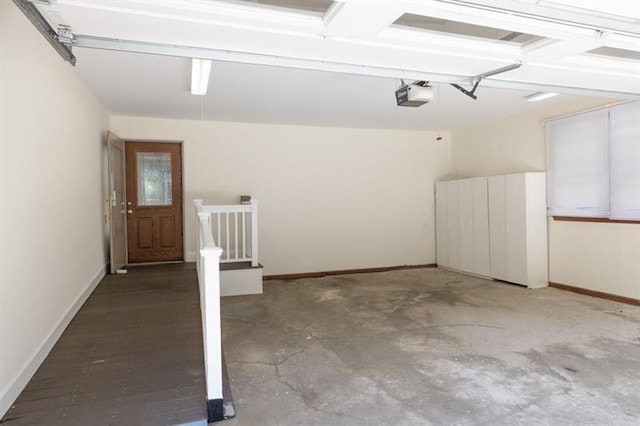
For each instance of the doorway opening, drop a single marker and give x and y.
(146, 222)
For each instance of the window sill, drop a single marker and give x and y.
(592, 219)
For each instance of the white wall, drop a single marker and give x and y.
(597, 256)
(51, 236)
(329, 198)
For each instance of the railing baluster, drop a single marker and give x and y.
(226, 248)
(235, 232)
(243, 232)
(219, 229)
(244, 236)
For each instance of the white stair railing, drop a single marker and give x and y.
(235, 228)
(208, 269)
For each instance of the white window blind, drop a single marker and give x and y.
(625, 161)
(593, 163)
(578, 165)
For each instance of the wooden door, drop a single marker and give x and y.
(154, 201)
(117, 206)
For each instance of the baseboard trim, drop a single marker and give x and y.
(594, 293)
(20, 380)
(190, 256)
(321, 274)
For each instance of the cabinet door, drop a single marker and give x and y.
(442, 248)
(516, 219)
(537, 257)
(453, 228)
(465, 210)
(497, 227)
(481, 262)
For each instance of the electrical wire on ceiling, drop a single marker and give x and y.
(438, 113)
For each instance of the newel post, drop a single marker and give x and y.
(212, 332)
(209, 277)
(198, 205)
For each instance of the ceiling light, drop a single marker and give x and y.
(540, 96)
(200, 69)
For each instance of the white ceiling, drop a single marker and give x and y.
(353, 37)
(159, 86)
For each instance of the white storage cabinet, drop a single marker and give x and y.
(462, 225)
(518, 228)
(494, 227)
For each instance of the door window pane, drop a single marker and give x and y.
(154, 179)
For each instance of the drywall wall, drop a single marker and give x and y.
(596, 256)
(329, 198)
(52, 248)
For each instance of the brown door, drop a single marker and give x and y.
(154, 201)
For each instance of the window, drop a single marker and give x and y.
(625, 161)
(593, 164)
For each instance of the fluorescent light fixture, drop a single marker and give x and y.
(540, 96)
(200, 69)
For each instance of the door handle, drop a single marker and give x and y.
(130, 211)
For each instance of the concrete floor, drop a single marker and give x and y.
(428, 346)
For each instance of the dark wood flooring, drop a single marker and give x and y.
(133, 355)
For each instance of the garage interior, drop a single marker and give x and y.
(362, 320)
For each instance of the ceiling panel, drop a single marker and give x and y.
(319, 6)
(465, 29)
(616, 53)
